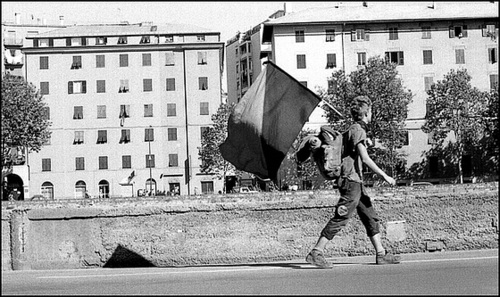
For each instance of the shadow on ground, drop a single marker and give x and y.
(122, 257)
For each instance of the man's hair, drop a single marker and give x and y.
(360, 106)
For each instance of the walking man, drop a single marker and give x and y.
(353, 195)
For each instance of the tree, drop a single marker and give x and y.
(490, 141)
(211, 138)
(455, 109)
(380, 82)
(24, 124)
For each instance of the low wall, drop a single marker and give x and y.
(240, 228)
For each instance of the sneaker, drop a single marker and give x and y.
(388, 258)
(316, 257)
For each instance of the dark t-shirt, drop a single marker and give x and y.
(351, 160)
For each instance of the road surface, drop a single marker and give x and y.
(450, 273)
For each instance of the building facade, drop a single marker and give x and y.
(426, 41)
(14, 35)
(128, 104)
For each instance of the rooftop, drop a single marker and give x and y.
(383, 12)
(124, 29)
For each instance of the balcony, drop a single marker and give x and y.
(13, 42)
(13, 59)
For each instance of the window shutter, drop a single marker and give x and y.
(68, 41)
(35, 42)
(84, 41)
(464, 30)
(452, 32)
(367, 35)
(484, 30)
(70, 87)
(84, 86)
(51, 42)
(401, 59)
(353, 35)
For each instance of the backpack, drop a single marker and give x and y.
(327, 153)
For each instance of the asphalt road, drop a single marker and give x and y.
(449, 273)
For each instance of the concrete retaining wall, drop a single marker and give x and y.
(229, 229)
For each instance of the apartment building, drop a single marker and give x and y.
(128, 104)
(14, 35)
(426, 40)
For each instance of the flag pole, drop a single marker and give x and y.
(333, 108)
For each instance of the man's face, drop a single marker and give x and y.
(369, 115)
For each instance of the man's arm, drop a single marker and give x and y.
(369, 162)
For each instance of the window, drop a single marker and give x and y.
(47, 190)
(44, 62)
(202, 58)
(44, 88)
(169, 58)
(146, 59)
(147, 85)
(123, 60)
(122, 40)
(103, 162)
(46, 113)
(330, 35)
(489, 31)
(101, 86)
(173, 160)
(428, 82)
(123, 86)
(204, 108)
(150, 161)
(77, 62)
(460, 56)
(148, 110)
(101, 111)
(332, 86)
(394, 57)
(362, 58)
(331, 61)
(433, 166)
(492, 55)
(360, 35)
(46, 165)
(427, 57)
(101, 40)
(493, 81)
(100, 61)
(126, 161)
(170, 84)
(203, 83)
(299, 35)
(393, 33)
(125, 138)
(78, 137)
(80, 163)
(145, 39)
(124, 111)
(426, 32)
(169, 38)
(200, 38)
(172, 134)
(80, 189)
(102, 136)
(458, 31)
(149, 134)
(207, 187)
(301, 61)
(78, 113)
(406, 138)
(171, 110)
(77, 87)
(203, 130)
